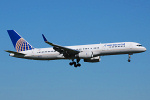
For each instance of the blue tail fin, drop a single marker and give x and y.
(19, 43)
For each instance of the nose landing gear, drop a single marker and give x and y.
(129, 57)
(76, 64)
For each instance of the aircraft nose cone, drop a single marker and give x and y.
(144, 49)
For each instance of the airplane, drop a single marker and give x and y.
(89, 53)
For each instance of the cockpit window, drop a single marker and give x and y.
(139, 45)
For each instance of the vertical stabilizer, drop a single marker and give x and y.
(19, 43)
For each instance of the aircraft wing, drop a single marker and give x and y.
(61, 48)
(14, 52)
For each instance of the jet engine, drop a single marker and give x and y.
(83, 55)
(92, 60)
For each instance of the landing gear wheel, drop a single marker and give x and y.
(75, 65)
(129, 57)
(129, 60)
(78, 64)
(71, 63)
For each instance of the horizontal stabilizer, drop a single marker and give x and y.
(15, 52)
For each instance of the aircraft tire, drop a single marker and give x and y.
(79, 65)
(129, 60)
(71, 63)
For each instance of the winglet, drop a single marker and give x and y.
(44, 38)
(47, 41)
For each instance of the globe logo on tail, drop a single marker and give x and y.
(22, 45)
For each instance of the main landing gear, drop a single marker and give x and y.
(76, 64)
(129, 57)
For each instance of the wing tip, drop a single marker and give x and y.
(44, 38)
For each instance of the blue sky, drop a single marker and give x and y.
(75, 22)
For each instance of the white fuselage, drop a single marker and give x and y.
(87, 51)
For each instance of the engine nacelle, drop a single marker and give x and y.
(94, 59)
(83, 55)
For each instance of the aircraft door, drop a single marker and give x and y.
(32, 53)
(39, 55)
(130, 45)
(104, 47)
